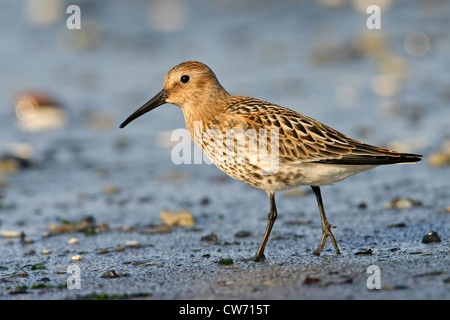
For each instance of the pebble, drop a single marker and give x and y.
(242, 234)
(110, 274)
(402, 203)
(431, 237)
(362, 206)
(364, 252)
(10, 233)
(73, 240)
(182, 218)
(46, 251)
(133, 244)
(76, 258)
(210, 237)
(204, 201)
(397, 225)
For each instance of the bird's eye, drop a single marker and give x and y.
(184, 79)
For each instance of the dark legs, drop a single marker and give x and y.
(270, 221)
(326, 227)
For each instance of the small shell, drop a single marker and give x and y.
(10, 233)
(133, 244)
(77, 258)
(73, 240)
(180, 218)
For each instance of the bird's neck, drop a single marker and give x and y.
(202, 113)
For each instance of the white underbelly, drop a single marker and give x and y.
(319, 174)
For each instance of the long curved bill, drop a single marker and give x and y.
(153, 103)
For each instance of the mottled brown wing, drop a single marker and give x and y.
(304, 139)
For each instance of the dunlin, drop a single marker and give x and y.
(308, 152)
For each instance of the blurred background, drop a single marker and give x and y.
(65, 92)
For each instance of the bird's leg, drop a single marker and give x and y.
(326, 227)
(270, 221)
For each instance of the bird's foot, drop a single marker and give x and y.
(256, 258)
(326, 232)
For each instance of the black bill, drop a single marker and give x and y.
(153, 103)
